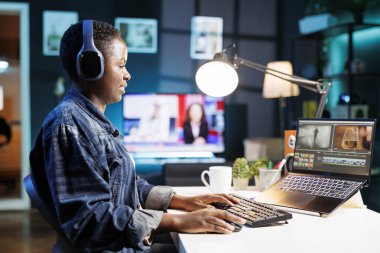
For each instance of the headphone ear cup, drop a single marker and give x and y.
(90, 61)
(90, 65)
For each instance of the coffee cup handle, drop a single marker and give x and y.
(203, 178)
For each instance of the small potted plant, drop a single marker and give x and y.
(240, 173)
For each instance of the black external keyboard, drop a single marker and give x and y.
(256, 214)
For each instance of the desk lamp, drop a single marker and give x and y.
(275, 87)
(219, 78)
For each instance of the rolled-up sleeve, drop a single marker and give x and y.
(159, 198)
(142, 224)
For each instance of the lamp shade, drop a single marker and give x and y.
(217, 78)
(275, 87)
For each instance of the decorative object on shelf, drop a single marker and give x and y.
(317, 17)
(351, 111)
(358, 66)
(316, 23)
(309, 107)
(240, 173)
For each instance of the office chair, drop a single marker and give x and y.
(62, 245)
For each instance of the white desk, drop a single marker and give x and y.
(346, 230)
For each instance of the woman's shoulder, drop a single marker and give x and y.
(66, 113)
(186, 124)
(204, 124)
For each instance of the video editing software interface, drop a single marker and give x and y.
(334, 146)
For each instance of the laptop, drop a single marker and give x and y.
(332, 162)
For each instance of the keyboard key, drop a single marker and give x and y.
(319, 186)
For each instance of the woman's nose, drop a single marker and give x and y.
(127, 76)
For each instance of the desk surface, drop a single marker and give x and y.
(345, 230)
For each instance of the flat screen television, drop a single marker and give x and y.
(155, 123)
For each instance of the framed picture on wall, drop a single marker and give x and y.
(140, 34)
(206, 37)
(55, 23)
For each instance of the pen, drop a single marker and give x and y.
(277, 164)
(270, 165)
(281, 164)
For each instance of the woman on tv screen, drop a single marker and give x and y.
(195, 126)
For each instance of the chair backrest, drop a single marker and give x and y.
(62, 245)
(45, 210)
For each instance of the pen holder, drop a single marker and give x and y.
(268, 178)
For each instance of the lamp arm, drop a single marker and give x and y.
(303, 82)
(319, 86)
(323, 99)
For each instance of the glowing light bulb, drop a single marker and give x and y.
(217, 78)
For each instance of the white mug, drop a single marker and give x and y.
(220, 178)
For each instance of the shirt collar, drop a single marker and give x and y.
(78, 98)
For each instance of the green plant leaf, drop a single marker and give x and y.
(255, 166)
(240, 168)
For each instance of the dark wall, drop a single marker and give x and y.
(298, 54)
(171, 69)
(253, 24)
(44, 70)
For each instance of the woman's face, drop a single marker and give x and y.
(195, 113)
(111, 87)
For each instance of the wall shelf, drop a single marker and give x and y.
(349, 28)
(360, 75)
(336, 30)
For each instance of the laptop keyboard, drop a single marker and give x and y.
(256, 214)
(319, 186)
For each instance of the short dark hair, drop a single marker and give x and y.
(72, 42)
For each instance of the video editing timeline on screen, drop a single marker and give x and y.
(332, 147)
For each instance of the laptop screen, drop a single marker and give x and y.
(334, 146)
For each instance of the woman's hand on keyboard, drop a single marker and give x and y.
(200, 221)
(192, 203)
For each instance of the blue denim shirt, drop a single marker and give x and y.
(80, 164)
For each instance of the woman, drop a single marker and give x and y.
(195, 126)
(88, 177)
